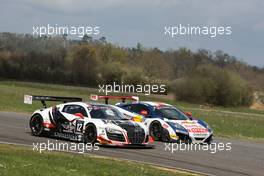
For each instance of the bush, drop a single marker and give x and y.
(134, 77)
(111, 72)
(210, 84)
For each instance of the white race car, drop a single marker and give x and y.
(86, 122)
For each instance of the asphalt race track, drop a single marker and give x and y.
(245, 158)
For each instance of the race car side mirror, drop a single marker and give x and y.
(79, 115)
(189, 114)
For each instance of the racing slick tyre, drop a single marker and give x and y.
(36, 125)
(165, 136)
(90, 134)
(209, 140)
(155, 131)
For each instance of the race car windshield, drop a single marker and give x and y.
(171, 113)
(106, 112)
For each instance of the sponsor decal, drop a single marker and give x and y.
(198, 130)
(188, 122)
(191, 126)
(79, 126)
(68, 136)
(137, 118)
(28, 99)
(200, 134)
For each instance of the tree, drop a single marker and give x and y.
(84, 65)
(102, 40)
(86, 38)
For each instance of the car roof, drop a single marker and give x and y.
(149, 103)
(86, 103)
(152, 103)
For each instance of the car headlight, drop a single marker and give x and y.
(110, 130)
(208, 127)
(204, 124)
(178, 126)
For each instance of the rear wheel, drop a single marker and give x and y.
(155, 131)
(90, 134)
(36, 125)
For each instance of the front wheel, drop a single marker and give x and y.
(90, 134)
(36, 125)
(165, 137)
(209, 140)
(155, 131)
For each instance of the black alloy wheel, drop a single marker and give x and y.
(90, 134)
(36, 125)
(155, 131)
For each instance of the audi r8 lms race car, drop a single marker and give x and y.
(86, 122)
(165, 122)
(168, 123)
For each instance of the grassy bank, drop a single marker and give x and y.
(243, 126)
(228, 122)
(23, 161)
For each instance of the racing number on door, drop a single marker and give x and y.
(79, 126)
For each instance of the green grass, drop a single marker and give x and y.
(239, 122)
(233, 125)
(12, 94)
(16, 161)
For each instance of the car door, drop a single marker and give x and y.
(76, 111)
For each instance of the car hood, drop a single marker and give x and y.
(123, 125)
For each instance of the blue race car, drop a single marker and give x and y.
(168, 123)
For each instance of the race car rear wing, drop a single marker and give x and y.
(106, 97)
(28, 99)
